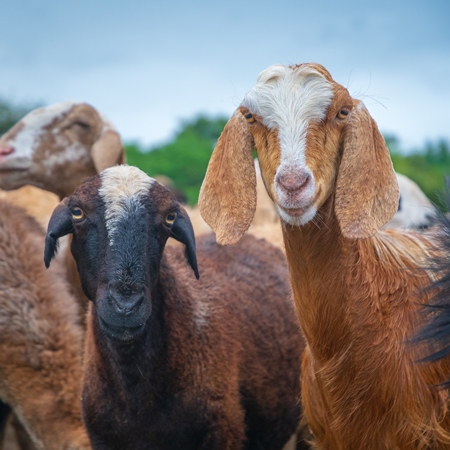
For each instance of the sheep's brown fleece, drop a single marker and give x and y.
(172, 362)
(220, 334)
(40, 338)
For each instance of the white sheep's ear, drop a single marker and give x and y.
(227, 197)
(107, 151)
(367, 192)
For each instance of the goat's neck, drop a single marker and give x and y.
(315, 254)
(335, 280)
(125, 363)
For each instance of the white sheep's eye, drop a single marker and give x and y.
(77, 213)
(81, 124)
(170, 218)
(249, 118)
(343, 113)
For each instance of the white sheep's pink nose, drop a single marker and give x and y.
(293, 182)
(6, 150)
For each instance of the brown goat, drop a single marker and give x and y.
(357, 290)
(173, 362)
(40, 338)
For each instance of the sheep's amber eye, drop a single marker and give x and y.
(343, 113)
(77, 213)
(170, 218)
(249, 117)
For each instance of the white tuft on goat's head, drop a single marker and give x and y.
(58, 146)
(313, 141)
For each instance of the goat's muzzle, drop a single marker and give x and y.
(123, 316)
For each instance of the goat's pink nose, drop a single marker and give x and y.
(6, 150)
(292, 182)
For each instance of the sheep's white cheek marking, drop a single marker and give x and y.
(121, 190)
(27, 139)
(69, 154)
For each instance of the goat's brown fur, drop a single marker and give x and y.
(357, 291)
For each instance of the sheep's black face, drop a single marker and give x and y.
(121, 221)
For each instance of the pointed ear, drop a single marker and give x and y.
(107, 151)
(227, 197)
(183, 232)
(60, 224)
(367, 192)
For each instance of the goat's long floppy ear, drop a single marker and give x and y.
(227, 197)
(60, 224)
(366, 189)
(107, 151)
(183, 232)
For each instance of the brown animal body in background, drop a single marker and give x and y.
(40, 338)
(357, 290)
(171, 361)
(46, 155)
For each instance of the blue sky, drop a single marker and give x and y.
(148, 65)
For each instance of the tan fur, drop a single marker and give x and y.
(366, 188)
(357, 299)
(217, 210)
(36, 202)
(40, 338)
(107, 151)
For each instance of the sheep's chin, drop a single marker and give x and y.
(121, 334)
(300, 220)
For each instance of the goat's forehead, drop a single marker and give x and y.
(41, 117)
(284, 93)
(122, 190)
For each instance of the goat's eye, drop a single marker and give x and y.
(81, 124)
(77, 213)
(249, 117)
(343, 113)
(170, 218)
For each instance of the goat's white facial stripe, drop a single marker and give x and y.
(34, 122)
(288, 100)
(121, 190)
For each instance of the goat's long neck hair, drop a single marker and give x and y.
(332, 273)
(359, 303)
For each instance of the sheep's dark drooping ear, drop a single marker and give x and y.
(183, 232)
(60, 224)
(367, 191)
(227, 199)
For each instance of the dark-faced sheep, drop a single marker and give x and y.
(174, 362)
(358, 291)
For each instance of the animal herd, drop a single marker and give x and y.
(304, 304)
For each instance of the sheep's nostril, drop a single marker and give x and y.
(6, 150)
(126, 304)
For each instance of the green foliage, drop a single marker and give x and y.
(427, 167)
(185, 159)
(10, 114)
